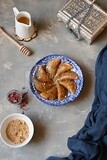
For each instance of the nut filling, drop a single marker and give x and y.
(17, 131)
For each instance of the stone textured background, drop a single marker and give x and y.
(53, 125)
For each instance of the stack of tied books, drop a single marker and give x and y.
(84, 18)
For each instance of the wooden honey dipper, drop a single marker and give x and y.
(22, 48)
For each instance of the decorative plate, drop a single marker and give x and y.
(71, 96)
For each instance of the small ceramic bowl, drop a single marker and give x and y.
(14, 97)
(5, 123)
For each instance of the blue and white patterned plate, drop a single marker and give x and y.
(71, 96)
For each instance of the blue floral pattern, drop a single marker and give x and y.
(71, 96)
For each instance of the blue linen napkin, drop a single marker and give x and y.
(90, 143)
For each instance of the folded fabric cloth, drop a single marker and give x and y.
(90, 143)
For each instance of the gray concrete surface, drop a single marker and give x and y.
(53, 125)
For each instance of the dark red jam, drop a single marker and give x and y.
(14, 97)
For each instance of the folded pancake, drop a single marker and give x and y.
(70, 85)
(51, 67)
(42, 75)
(69, 75)
(42, 86)
(51, 94)
(62, 91)
(63, 67)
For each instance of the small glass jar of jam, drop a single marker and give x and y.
(14, 97)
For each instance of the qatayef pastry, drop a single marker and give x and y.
(55, 79)
(42, 86)
(50, 94)
(63, 67)
(70, 85)
(69, 75)
(42, 75)
(62, 91)
(51, 67)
